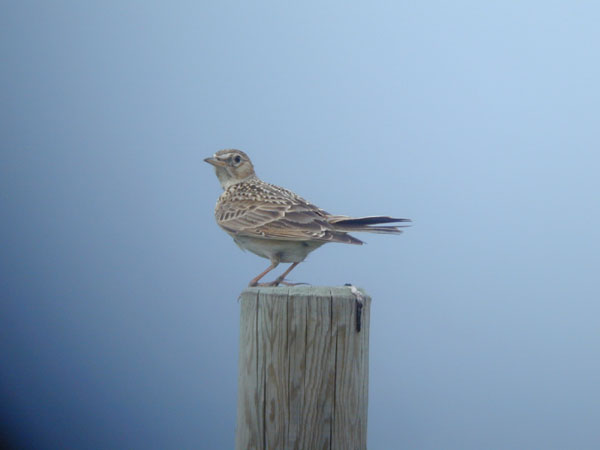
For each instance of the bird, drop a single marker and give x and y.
(277, 224)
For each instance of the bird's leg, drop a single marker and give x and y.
(281, 277)
(254, 281)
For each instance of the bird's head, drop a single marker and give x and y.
(231, 166)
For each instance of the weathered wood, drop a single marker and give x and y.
(303, 369)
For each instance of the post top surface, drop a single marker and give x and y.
(317, 291)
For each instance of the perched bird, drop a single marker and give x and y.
(277, 224)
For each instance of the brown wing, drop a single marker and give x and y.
(284, 216)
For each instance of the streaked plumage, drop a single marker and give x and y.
(275, 223)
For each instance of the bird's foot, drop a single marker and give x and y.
(269, 284)
(275, 283)
(287, 283)
(281, 280)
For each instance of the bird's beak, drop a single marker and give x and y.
(215, 162)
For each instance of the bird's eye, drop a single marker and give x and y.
(237, 159)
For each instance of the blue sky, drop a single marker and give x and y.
(478, 120)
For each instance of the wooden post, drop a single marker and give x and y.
(303, 369)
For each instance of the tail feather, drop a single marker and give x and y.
(344, 223)
(369, 220)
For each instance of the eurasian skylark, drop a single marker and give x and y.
(277, 224)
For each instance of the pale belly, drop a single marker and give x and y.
(276, 250)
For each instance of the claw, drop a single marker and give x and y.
(287, 283)
(275, 283)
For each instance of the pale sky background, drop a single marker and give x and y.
(478, 120)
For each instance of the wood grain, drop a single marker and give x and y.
(303, 369)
